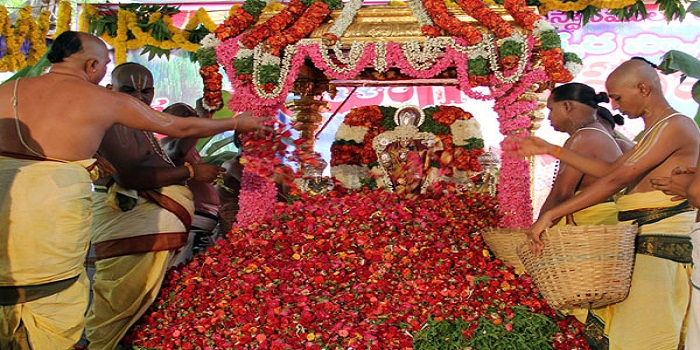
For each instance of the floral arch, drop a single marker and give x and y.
(510, 50)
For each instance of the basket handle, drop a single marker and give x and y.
(570, 220)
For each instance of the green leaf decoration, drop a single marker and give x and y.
(675, 61)
(441, 335)
(223, 113)
(694, 8)
(478, 66)
(243, 65)
(254, 7)
(672, 9)
(154, 51)
(31, 71)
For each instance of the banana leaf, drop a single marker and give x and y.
(676, 61)
(208, 148)
(31, 71)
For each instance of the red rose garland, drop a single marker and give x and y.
(491, 20)
(235, 24)
(212, 80)
(310, 20)
(442, 18)
(273, 25)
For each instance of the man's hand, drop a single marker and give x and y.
(676, 184)
(528, 146)
(206, 172)
(246, 122)
(535, 233)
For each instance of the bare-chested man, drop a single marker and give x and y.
(652, 315)
(141, 218)
(50, 128)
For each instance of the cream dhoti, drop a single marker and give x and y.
(133, 249)
(652, 315)
(44, 234)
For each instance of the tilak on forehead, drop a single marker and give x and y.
(139, 76)
(140, 81)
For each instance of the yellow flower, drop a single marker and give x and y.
(64, 18)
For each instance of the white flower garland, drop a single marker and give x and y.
(356, 51)
(419, 12)
(380, 64)
(351, 133)
(542, 26)
(347, 16)
(209, 41)
(522, 62)
(260, 58)
(422, 59)
(573, 67)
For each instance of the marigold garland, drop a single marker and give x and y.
(64, 17)
(25, 30)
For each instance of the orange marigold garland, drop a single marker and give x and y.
(274, 25)
(310, 20)
(491, 20)
(240, 18)
(452, 25)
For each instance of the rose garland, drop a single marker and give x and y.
(561, 67)
(442, 18)
(491, 20)
(312, 17)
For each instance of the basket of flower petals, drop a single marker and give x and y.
(584, 266)
(503, 243)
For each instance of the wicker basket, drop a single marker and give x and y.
(583, 266)
(503, 242)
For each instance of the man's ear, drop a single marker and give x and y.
(644, 88)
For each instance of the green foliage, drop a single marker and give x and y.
(572, 57)
(32, 71)
(441, 335)
(332, 4)
(550, 40)
(243, 65)
(269, 74)
(254, 7)
(635, 11)
(672, 9)
(154, 51)
(694, 8)
(529, 331)
(478, 66)
(510, 48)
(104, 22)
(677, 61)
(521, 330)
(206, 57)
(388, 121)
(473, 143)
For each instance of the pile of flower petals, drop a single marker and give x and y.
(345, 270)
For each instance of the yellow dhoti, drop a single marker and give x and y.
(692, 340)
(44, 231)
(134, 249)
(651, 317)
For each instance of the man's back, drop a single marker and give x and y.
(62, 126)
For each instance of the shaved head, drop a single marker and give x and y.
(635, 71)
(134, 79)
